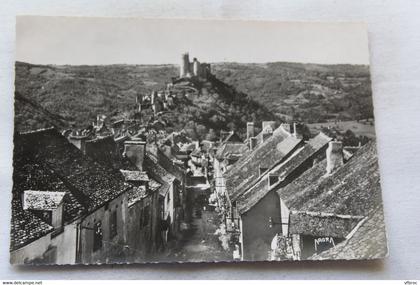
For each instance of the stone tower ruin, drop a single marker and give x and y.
(193, 69)
(185, 66)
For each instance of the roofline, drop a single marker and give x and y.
(101, 138)
(37, 131)
(135, 142)
(259, 146)
(267, 172)
(266, 175)
(77, 219)
(295, 150)
(326, 214)
(324, 135)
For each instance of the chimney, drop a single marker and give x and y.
(153, 97)
(57, 216)
(252, 143)
(250, 130)
(334, 156)
(271, 124)
(268, 128)
(297, 131)
(287, 128)
(135, 151)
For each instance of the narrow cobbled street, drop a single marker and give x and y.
(199, 242)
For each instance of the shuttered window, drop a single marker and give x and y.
(113, 227)
(97, 236)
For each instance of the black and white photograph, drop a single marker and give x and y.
(178, 140)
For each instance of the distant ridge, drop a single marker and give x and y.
(237, 93)
(30, 115)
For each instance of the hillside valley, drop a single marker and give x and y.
(72, 96)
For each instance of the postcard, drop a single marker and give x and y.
(170, 140)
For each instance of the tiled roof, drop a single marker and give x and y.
(246, 170)
(196, 152)
(207, 145)
(25, 226)
(163, 189)
(154, 185)
(97, 182)
(29, 175)
(315, 224)
(311, 148)
(130, 175)
(158, 173)
(368, 241)
(229, 149)
(178, 137)
(353, 190)
(254, 194)
(230, 137)
(46, 161)
(42, 200)
(136, 194)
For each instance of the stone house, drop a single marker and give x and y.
(66, 207)
(165, 210)
(143, 228)
(258, 207)
(223, 160)
(333, 210)
(276, 145)
(170, 199)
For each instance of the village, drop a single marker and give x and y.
(129, 191)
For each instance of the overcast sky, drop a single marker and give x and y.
(83, 40)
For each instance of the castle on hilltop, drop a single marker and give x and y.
(190, 69)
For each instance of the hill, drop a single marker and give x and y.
(311, 93)
(29, 115)
(77, 94)
(72, 96)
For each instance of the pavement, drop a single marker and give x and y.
(199, 243)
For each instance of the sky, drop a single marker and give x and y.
(97, 41)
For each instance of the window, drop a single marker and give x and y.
(168, 198)
(145, 216)
(97, 236)
(273, 179)
(262, 170)
(113, 224)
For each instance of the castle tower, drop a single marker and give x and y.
(196, 67)
(185, 66)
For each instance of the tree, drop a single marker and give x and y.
(211, 135)
(201, 131)
(231, 126)
(350, 139)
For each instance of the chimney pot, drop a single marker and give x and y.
(250, 130)
(271, 124)
(334, 156)
(297, 130)
(252, 143)
(287, 128)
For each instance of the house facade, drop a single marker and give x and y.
(275, 145)
(331, 209)
(258, 207)
(89, 223)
